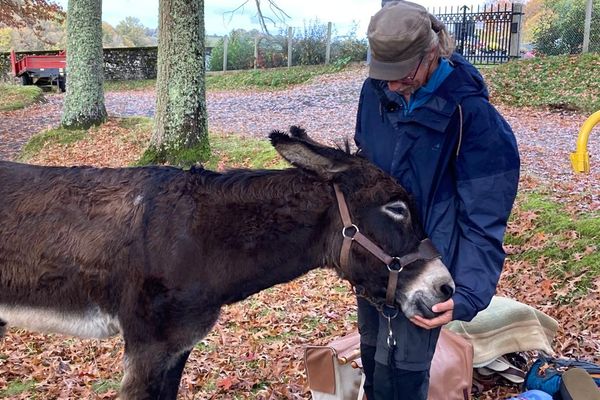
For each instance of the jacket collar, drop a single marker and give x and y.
(464, 81)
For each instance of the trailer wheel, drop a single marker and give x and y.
(26, 79)
(62, 83)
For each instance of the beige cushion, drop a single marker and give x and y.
(506, 326)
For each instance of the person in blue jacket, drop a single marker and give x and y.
(424, 116)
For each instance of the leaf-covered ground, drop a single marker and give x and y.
(255, 350)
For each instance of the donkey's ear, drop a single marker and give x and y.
(303, 152)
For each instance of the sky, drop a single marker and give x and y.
(342, 13)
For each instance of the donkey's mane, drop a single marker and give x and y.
(257, 185)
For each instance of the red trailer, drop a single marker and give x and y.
(41, 70)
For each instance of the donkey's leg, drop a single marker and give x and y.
(152, 372)
(2, 328)
(173, 377)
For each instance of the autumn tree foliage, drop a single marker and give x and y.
(28, 13)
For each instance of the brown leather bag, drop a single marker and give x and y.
(334, 371)
(451, 374)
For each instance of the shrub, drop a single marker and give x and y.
(272, 51)
(560, 29)
(349, 47)
(309, 48)
(240, 51)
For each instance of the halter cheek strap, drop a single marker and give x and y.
(395, 265)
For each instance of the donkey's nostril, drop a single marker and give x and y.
(447, 291)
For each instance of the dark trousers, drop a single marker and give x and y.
(385, 383)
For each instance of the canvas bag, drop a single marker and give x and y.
(334, 371)
(546, 373)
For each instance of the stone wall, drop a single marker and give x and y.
(129, 63)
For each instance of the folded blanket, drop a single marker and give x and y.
(506, 326)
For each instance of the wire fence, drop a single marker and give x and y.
(488, 35)
(554, 27)
(315, 44)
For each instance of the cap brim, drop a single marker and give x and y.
(392, 71)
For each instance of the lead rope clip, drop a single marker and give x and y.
(391, 341)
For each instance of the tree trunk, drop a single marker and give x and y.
(84, 101)
(181, 134)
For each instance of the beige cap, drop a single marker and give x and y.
(399, 34)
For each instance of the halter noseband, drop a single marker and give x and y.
(395, 265)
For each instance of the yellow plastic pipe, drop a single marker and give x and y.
(580, 159)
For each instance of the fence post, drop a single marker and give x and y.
(328, 48)
(587, 26)
(225, 45)
(289, 38)
(255, 51)
(463, 30)
(515, 30)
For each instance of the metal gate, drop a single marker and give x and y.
(484, 36)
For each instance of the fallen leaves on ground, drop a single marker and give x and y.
(255, 350)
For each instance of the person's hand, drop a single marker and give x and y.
(446, 308)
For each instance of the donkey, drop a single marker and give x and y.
(153, 253)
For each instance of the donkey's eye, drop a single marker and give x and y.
(396, 210)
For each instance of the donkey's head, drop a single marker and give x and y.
(380, 213)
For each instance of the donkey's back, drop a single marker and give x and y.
(70, 239)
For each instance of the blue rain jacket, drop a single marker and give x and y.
(458, 157)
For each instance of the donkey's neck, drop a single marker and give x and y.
(278, 238)
(280, 260)
(264, 276)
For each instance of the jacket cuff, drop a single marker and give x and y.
(463, 309)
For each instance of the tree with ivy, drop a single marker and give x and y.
(180, 135)
(84, 101)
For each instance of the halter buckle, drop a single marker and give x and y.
(395, 265)
(351, 236)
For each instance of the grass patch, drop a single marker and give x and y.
(181, 157)
(274, 78)
(561, 82)
(103, 386)
(57, 136)
(242, 152)
(227, 151)
(122, 85)
(567, 244)
(136, 129)
(14, 97)
(205, 347)
(16, 388)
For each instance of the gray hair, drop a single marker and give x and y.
(445, 42)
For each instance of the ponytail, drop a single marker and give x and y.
(445, 42)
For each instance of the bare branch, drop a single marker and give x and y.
(232, 12)
(282, 15)
(278, 13)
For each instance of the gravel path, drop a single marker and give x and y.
(327, 108)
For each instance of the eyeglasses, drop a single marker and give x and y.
(412, 78)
